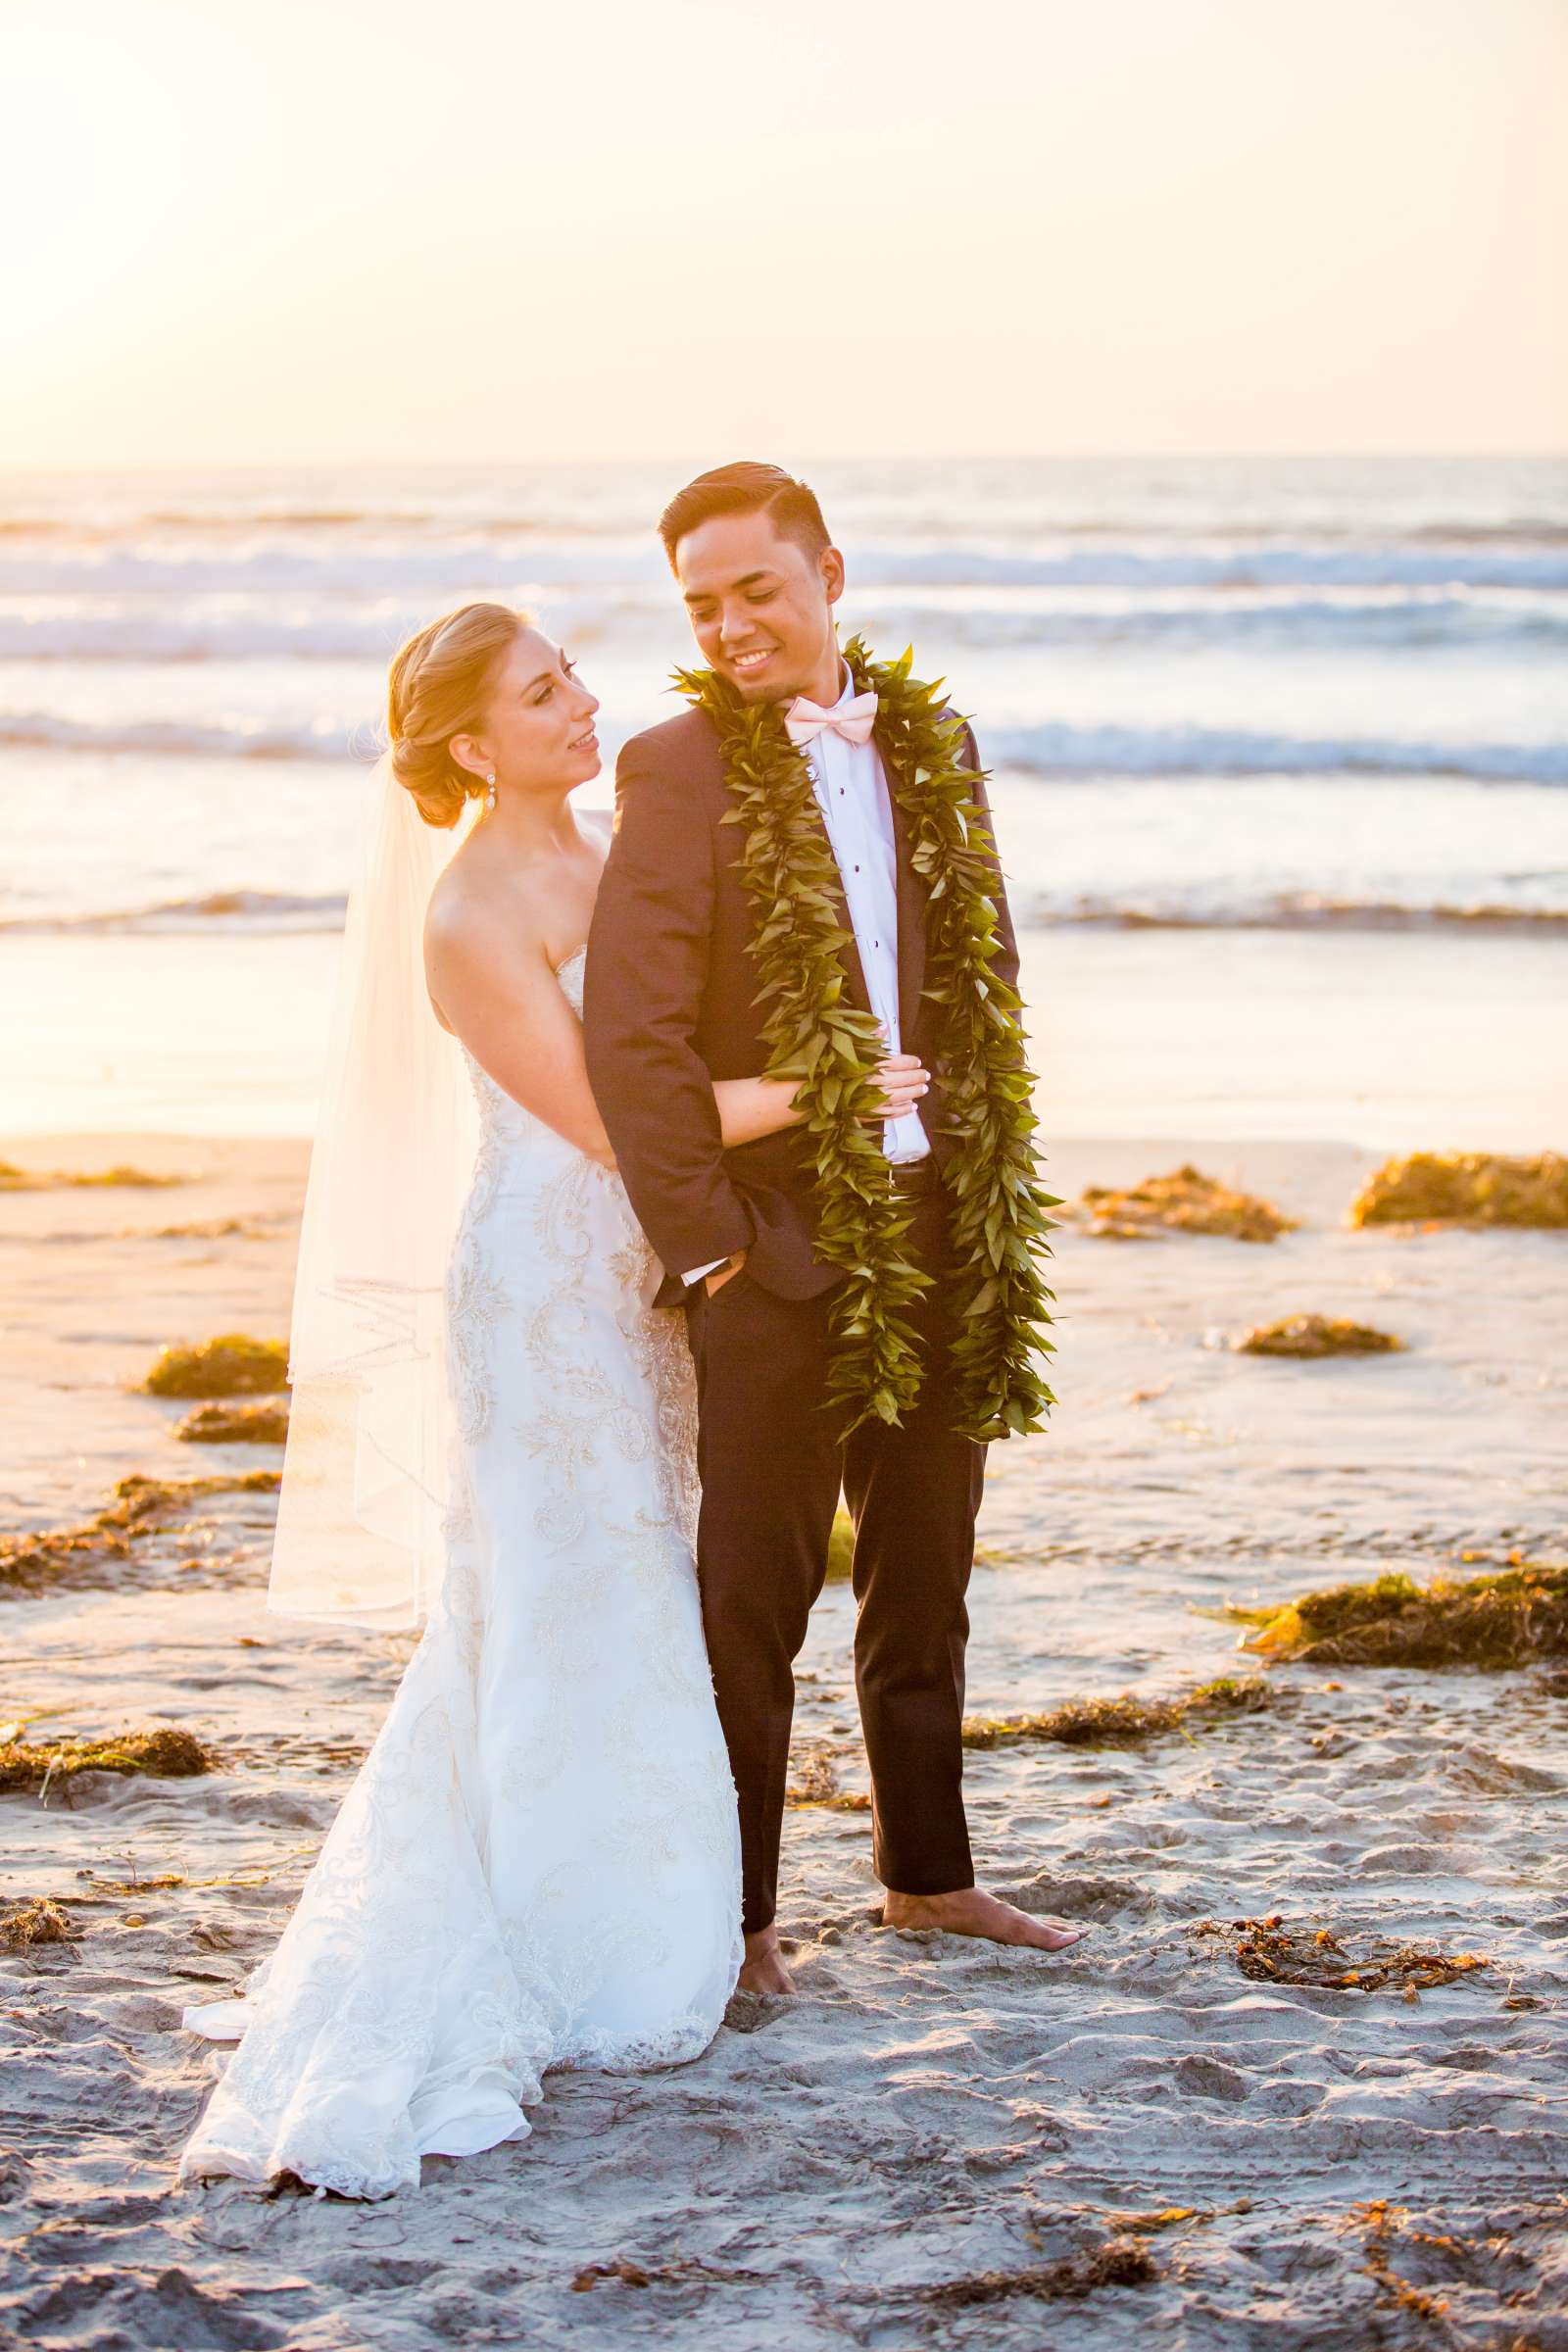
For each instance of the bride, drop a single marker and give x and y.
(492, 1430)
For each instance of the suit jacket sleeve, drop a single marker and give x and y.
(1006, 939)
(647, 952)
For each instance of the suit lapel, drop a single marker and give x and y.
(854, 969)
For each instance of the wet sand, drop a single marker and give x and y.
(1401, 1041)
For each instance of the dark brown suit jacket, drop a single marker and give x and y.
(670, 1006)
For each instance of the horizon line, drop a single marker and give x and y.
(12, 469)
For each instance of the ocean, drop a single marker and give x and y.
(1217, 696)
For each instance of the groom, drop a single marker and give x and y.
(760, 855)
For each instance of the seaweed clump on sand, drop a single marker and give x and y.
(1185, 1201)
(687, 2269)
(1120, 1722)
(220, 1423)
(140, 1507)
(1119, 2262)
(232, 1365)
(165, 1753)
(1307, 1336)
(1271, 1951)
(202, 1229)
(1511, 1618)
(47, 1180)
(38, 1919)
(1466, 1187)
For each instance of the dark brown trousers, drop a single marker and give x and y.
(772, 1465)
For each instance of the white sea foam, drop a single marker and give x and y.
(258, 626)
(1054, 750)
(265, 911)
(237, 738)
(276, 911)
(1051, 749)
(474, 565)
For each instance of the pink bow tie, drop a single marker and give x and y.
(804, 721)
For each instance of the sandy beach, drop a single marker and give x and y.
(936, 2143)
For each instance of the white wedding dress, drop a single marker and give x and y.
(539, 1863)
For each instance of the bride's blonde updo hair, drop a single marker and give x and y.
(438, 687)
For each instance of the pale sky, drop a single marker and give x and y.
(328, 229)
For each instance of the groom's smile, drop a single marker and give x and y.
(761, 604)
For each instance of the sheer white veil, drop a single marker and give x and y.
(365, 1490)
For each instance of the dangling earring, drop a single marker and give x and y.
(490, 792)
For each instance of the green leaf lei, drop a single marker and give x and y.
(817, 1036)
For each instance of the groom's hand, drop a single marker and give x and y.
(725, 1273)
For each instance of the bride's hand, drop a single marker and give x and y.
(752, 1107)
(900, 1080)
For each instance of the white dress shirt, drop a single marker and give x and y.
(851, 793)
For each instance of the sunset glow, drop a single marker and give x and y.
(351, 231)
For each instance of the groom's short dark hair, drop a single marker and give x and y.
(747, 488)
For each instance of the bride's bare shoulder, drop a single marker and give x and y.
(458, 896)
(475, 911)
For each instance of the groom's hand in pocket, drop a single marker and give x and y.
(715, 1282)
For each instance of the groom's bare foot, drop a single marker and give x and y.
(764, 1969)
(968, 1911)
